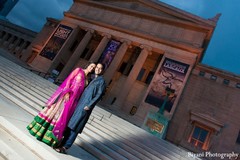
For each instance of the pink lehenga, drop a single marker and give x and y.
(49, 125)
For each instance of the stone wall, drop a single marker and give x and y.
(15, 39)
(139, 21)
(214, 95)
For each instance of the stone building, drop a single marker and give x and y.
(206, 117)
(15, 39)
(152, 52)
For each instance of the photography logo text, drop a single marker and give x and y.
(231, 155)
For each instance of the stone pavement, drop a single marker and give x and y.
(17, 144)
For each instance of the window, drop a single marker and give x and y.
(84, 53)
(141, 74)
(28, 43)
(14, 40)
(213, 77)
(122, 68)
(60, 67)
(226, 81)
(201, 73)
(89, 54)
(8, 37)
(74, 46)
(199, 137)
(238, 85)
(203, 128)
(21, 42)
(149, 77)
(125, 68)
(238, 138)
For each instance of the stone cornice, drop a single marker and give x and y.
(176, 22)
(148, 48)
(177, 12)
(90, 30)
(137, 34)
(13, 27)
(206, 120)
(53, 20)
(123, 40)
(218, 72)
(106, 35)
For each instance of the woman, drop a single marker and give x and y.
(48, 126)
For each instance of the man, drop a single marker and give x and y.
(91, 95)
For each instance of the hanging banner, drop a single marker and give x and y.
(167, 83)
(109, 53)
(55, 43)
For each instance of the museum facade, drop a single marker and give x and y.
(152, 53)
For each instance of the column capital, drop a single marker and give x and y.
(148, 48)
(106, 35)
(126, 41)
(90, 30)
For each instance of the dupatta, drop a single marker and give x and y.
(74, 86)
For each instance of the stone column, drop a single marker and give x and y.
(25, 52)
(9, 41)
(4, 38)
(1, 34)
(116, 60)
(19, 52)
(15, 44)
(76, 54)
(100, 48)
(133, 75)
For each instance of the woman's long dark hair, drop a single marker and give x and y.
(88, 63)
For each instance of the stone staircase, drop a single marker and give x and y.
(106, 136)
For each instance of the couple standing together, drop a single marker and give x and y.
(69, 108)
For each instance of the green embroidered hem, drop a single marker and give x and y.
(42, 130)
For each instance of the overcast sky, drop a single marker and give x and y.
(222, 52)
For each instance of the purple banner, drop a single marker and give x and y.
(167, 83)
(109, 53)
(55, 43)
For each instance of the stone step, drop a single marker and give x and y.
(8, 143)
(106, 135)
(30, 93)
(24, 94)
(19, 76)
(128, 141)
(131, 130)
(28, 105)
(14, 120)
(24, 81)
(10, 84)
(34, 111)
(123, 144)
(101, 146)
(90, 148)
(25, 74)
(17, 101)
(20, 95)
(26, 71)
(27, 141)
